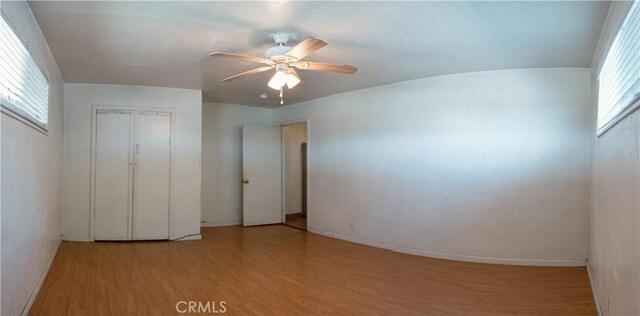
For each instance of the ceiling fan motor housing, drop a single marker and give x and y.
(276, 51)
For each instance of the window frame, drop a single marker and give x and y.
(11, 108)
(632, 104)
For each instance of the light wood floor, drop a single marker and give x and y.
(278, 270)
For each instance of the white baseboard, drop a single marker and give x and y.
(448, 256)
(35, 292)
(72, 238)
(220, 224)
(88, 239)
(188, 237)
(593, 290)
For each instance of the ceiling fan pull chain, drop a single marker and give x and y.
(281, 99)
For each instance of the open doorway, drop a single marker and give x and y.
(294, 175)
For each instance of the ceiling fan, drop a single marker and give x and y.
(285, 60)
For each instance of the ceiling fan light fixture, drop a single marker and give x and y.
(292, 80)
(278, 80)
(282, 78)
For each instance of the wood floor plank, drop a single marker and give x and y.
(279, 270)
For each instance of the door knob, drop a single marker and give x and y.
(245, 181)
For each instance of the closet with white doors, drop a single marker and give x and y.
(131, 174)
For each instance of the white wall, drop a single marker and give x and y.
(487, 166)
(614, 252)
(185, 195)
(222, 160)
(31, 179)
(614, 235)
(292, 137)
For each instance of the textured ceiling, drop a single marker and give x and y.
(167, 43)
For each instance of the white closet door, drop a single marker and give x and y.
(151, 176)
(113, 175)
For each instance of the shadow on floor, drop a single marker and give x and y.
(297, 221)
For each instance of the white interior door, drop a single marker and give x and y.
(113, 174)
(261, 171)
(151, 177)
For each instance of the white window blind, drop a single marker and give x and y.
(24, 89)
(619, 79)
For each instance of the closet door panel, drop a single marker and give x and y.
(112, 175)
(151, 177)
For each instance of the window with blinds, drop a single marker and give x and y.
(619, 79)
(24, 89)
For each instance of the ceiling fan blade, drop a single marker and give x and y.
(309, 65)
(248, 73)
(242, 57)
(306, 47)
